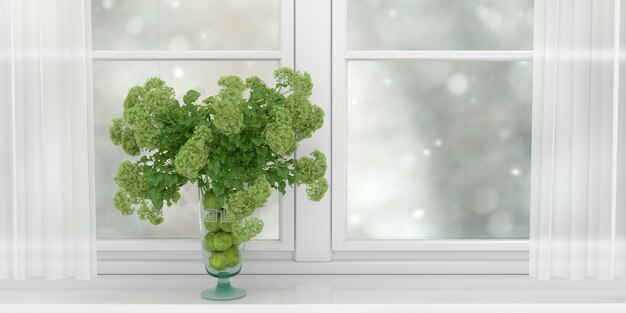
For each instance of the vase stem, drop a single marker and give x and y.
(223, 291)
(224, 283)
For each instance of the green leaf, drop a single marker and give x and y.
(214, 165)
(218, 190)
(281, 187)
(191, 97)
(283, 172)
(258, 141)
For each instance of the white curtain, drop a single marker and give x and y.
(46, 197)
(578, 198)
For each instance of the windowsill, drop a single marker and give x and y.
(181, 293)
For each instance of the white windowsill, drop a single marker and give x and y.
(312, 293)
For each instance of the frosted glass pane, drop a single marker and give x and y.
(438, 150)
(111, 82)
(440, 24)
(185, 24)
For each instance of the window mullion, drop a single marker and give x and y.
(313, 54)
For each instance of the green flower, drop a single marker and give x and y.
(309, 170)
(154, 83)
(129, 144)
(232, 88)
(228, 119)
(130, 178)
(147, 212)
(160, 98)
(255, 82)
(279, 134)
(121, 134)
(300, 83)
(147, 131)
(238, 150)
(203, 132)
(306, 117)
(194, 154)
(116, 130)
(242, 203)
(247, 229)
(134, 96)
(141, 107)
(123, 202)
(316, 190)
(259, 192)
(238, 204)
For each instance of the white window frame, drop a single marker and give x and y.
(341, 57)
(316, 42)
(148, 255)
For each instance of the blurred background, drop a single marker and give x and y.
(436, 149)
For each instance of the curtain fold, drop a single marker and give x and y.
(578, 201)
(46, 197)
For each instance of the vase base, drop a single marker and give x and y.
(223, 292)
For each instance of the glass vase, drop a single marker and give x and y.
(222, 252)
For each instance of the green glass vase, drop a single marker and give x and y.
(221, 250)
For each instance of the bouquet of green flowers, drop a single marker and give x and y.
(235, 146)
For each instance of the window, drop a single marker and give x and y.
(430, 157)
(136, 39)
(432, 112)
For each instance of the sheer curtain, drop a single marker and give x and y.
(46, 197)
(578, 197)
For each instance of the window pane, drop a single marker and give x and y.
(111, 82)
(185, 24)
(438, 150)
(440, 24)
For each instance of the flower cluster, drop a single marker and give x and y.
(311, 171)
(130, 178)
(242, 203)
(127, 205)
(129, 198)
(141, 108)
(123, 202)
(255, 82)
(316, 190)
(121, 134)
(300, 83)
(247, 229)
(234, 145)
(228, 118)
(147, 212)
(279, 134)
(306, 117)
(193, 155)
